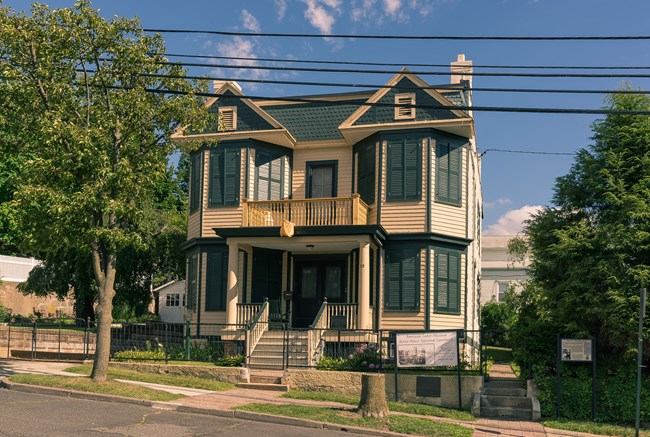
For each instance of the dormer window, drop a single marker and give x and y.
(228, 118)
(404, 112)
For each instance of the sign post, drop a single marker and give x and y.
(639, 361)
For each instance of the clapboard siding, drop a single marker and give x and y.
(441, 320)
(403, 216)
(342, 154)
(449, 219)
(194, 225)
(403, 319)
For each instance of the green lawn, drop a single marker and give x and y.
(497, 354)
(88, 385)
(403, 407)
(403, 424)
(157, 378)
(594, 428)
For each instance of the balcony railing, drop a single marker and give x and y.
(329, 211)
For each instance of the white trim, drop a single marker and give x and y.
(404, 113)
(228, 118)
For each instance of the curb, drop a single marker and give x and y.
(233, 414)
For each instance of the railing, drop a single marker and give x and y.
(329, 211)
(256, 329)
(342, 316)
(315, 333)
(246, 312)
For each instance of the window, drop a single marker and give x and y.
(228, 118)
(402, 280)
(405, 112)
(173, 300)
(269, 172)
(224, 176)
(447, 281)
(192, 281)
(216, 281)
(448, 172)
(503, 289)
(404, 169)
(195, 181)
(366, 174)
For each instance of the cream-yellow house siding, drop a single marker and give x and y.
(403, 216)
(443, 320)
(221, 216)
(341, 154)
(404, 319)
(449, 219)
(194, 225)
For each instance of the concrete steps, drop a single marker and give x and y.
(505, 399)
(269, 353)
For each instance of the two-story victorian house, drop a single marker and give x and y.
(357, 210)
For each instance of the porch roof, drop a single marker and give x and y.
(303, 231)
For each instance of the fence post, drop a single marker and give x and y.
(86, 338)
(187, 340)
(33, 339)
(59, 339)
(9, 336)
(166, 343)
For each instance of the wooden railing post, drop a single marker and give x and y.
(244, 207)
(355, 208)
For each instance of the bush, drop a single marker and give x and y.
(497, 319)
(135, 355)
(4, 313)
(365, 358)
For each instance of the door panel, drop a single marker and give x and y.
(322, 179)
(314, 280)
(267, 275)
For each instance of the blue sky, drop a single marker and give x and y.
(513, 184)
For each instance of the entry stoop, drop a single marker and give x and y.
(505, 399)
(265, 380)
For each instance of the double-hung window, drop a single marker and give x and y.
(404, 169)
(447, 277)
(225, 168)
(269, 172)
(448, 172)
(402, 291)
(216, 280)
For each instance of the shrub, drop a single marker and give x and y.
(4, 313)
(365, 358)
(136, 355)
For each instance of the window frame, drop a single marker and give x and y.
(416, 279)
(370, 197)
(227, 109)
(273, 157)
(456, 279)
(192, 281)
(309, 165)
(402, 196)
(399, 114)
(451, 147)
(215, 299)
(226, 178)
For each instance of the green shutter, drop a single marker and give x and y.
(269, 170)
(448, 172)
(402, 291)
(410, 280)
(442, 171)
(412, 169)
(393, 281)
(195, 181)
(366, 174)
(216, 177)
(216, 280)
(395, 171)
(447, 291)
(225, 168)
(455, 160)
(192, 282)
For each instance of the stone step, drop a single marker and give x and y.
(505, 383)
(505, 401)
(507, 413)
(261, 386)
(504, 391)
(265, 379)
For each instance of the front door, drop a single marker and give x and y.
(267, 275)
(316, 279)
(321, 179)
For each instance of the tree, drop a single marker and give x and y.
(86, 99)
(591, 250)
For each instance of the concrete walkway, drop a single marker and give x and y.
(202, 400)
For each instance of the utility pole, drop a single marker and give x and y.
(639, 360)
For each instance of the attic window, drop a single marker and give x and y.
(404, 112)
(228, 118)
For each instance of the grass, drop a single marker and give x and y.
(157, 378)
(403, 407)
(170, 362)
(497, 354)
(594, 428)
(403, 424)
(88, 385)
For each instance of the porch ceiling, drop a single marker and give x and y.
(307, 245)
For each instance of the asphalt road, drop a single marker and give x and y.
(25, 414)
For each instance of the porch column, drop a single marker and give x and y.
(364, 286)
(231, 296)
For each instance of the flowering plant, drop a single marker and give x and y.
(365, 358)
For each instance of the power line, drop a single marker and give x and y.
(393, 105)
(528, 152)
(418, 73)
(405, 88)
(409, 37)
(401, 64)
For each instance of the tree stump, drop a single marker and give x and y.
(373, 396)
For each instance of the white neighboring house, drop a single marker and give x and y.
(13, 271)
(498, 271)
(171, 301)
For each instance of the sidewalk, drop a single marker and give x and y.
(202, 401)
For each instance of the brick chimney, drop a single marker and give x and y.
(460, 65)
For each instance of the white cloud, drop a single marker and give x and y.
(281, 8)
(511, 223)
(499, 201)
(365, 11)
(334, 4)
(239, 47)
(250, 22)
(319, 17)
(392, 7)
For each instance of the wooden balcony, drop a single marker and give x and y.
(330, 211)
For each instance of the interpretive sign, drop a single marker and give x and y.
(427, 349)
(576, 350)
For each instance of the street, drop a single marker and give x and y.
(25, 414)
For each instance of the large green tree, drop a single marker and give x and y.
(76, 92)
(591, 250)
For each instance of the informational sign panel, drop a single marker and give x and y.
(427, 349)
(576, 350)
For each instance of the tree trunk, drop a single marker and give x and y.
(373, 396)
(104, 267)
